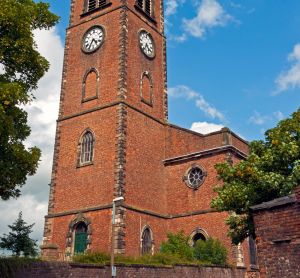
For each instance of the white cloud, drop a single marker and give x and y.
(209, 14)
(290, 79)
(205, 127)
(42, 115)
(172, 6)
(259, 119)
(180, 38)
(278, 115)
(185, 92)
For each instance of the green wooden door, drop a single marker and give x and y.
(80, 242)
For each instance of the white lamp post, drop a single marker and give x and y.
(112, 257)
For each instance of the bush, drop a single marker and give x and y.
(211, 251)
(157, 259)
(176, 250)
(177, 244)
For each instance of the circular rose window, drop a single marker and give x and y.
(195, 177)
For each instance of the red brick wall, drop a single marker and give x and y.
(182, 198)
(138, 63)
(278, 238)
(51, 270)
(144, 163)
(90, 185)
(135, 222)
(105, 60)
(100, 226)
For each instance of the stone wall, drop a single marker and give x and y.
(62, 270)
(277, 227)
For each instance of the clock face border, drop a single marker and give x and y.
(140, 46)
(83, 48)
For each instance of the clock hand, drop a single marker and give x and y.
(91, 42)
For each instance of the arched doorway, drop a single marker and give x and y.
(80, 242)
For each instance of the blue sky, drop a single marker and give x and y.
(230, 63)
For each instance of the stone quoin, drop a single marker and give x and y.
(113, 139)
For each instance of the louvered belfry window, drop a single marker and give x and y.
(145, 5)
(94, 4)
(87, 148)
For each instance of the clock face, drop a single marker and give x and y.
(92, 39)
(147, 44)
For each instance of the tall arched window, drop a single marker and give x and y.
(146, 241)
(80, 242)
(87, 148)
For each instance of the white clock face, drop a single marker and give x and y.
(93, 39)
(147, 44)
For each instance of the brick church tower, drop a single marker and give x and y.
(113, 140)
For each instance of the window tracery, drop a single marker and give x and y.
(86, 148)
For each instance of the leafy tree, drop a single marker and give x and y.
(177, 244)
(21, 67)
(18, 240)
(271, 170)
(210, 250)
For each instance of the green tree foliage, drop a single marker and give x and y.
(210, 250)
(177, 244)
(18, 240)
(271, 170)
(21, 67)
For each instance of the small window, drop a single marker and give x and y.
(146, 242)
(194, 177)
(145, 6)
(197, 235)
(87, 148)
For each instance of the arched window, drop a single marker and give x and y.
(146, 88)
(145, 6)
(87, 148)
(196, 235)
(80, 242)
(146, 241)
